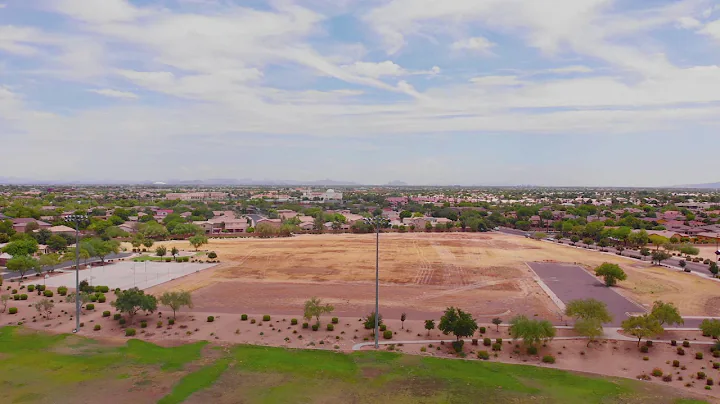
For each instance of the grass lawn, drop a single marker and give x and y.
(40, 368)
(144, 258)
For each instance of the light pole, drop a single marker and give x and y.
(76, 219)
(377, 222)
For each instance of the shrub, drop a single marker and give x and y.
(531, 350)
(31, 288)
(305, 325)
(387, 334)
(14, 292)
(710, 381)
(293, 321)
(266, 318)
(686, 344)
(315, 327)
(330, 327)
(680, 351)
(484, 355)
(16, 297)
(252, 321)
(698, 355)
(48, 293)
(648, 343)
(122, 321)
(97, 327)
(117, 316)
(106, 313)
(102, 289)
(644, 349)
(12, 310)
(243, 317)
(171, 321)
(130, 332)
(474, 341)
(423, 349)
(335, 320)
(716, 365)
(657, 372)
(676, 363)
(496, 347)
(673, 342)
(646, 358)
(667, 378)
(487, 341)
(458, 345)
(482, 330)
(143, 324)
(499, 340)
(701, 375)
(23, 297)
(102, 299)
(93, 298)
(210, 319)
(90, 306)
(383, 327)
(548, 359)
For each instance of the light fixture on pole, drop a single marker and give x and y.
(377, 222)
(77, 219)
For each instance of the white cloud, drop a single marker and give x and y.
(571, 69)
(108, 92)
(478, 44)
(376, 70)
(496, 81)
(103, 11)
(712, 29)
(688, 23)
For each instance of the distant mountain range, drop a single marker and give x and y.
(211, 181)
(712, 185)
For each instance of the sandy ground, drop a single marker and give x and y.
(482, 271)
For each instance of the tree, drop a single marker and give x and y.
(148, 242)
(683, 264)
(21, 264)
(659, 256)
(319, 223)
(713, 268)
(44, 306)
(136, 241)
(370, 322)
(198, 240)
(658, 241)
(176, 300)
(315, 308)
(21, 247)
(161, 251)
(497, 321)
(429, 325)
(212, 255)
(31, 227)
(187, 228)
(710, 327)
(590, 315)
(133, 300)
(611, 273)
(459, 323)
(47, 260)
(645, 252)
(4, 299)
(666, 313)
(639, 238)
(428, 226)
(644, 326)
(174, 252)
(403, 316)
(532, 332)
(57, 243)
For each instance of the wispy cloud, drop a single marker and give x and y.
(114, 93)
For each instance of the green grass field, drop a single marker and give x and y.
(43, 368)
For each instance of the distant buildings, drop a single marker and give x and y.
(328, 196)
(197, 196)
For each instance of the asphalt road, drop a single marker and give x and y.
(31, 275)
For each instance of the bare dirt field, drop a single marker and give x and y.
(419, 272)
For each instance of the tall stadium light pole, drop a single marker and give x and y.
(377, 222)
(76, 219)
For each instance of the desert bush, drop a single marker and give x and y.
(266, 317)
(102, 299)
(97, 327)
(676, 363)
(680, 351)
(673, 342)
(93, 298)
(210, 319)
(12, 310)
(117, 316)
(14, 291)
(315, 327)
(335, 320)
(646, 358)
(458, 345)
(474, 341)
(243, 317)
(383, 327)
(102, 289)
(657, 372)
(667, 378)
(698, 355)
(90, 306)
(293, 321)
(23, 297)
(709, 381)
(548, 359)
(484, 355)
(497, 347)
(531, 350)
(16, 297)
(106, 313)
(701, 375)
(130, 332)
(482, 330)
(122, 321)
(330, 327)
(387, 334)
(31, 288)
(171, 321)
(305, 325)
(499, 340)
(686, 344)
(143, 324)
(48, 293)
(487, 341)
(644, 349)
(649, 343)
(252, 321)
(716, 365)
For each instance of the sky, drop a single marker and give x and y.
(476, 92)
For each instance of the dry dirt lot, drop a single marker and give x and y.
(420, 272)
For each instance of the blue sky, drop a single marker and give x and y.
(558, 92)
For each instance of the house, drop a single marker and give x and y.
(20, 224)
(307, 225)
(62, 230)
(286, 214)
(197, 196)
(128, 227)
(272, 222)
(4, 257)
(161, 213)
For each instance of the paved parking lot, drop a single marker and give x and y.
(570, 282)
(126, 274)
